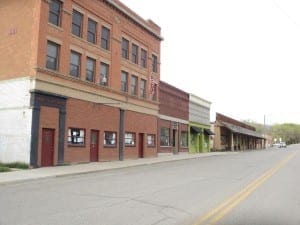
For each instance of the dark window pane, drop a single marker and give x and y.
(77, 23)
(104, 70)
(75, 64)
(125, 48)
(90, 69)
(55, 12)
(105, 36)
(52, 56)
(92, 27)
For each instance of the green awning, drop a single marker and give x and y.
(196, 130)
(208, 132)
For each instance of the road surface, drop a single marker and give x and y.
(248, 188)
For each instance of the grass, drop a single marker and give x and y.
(5, 167)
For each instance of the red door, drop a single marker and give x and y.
(141, 145)
(94, 146)
(47, 147)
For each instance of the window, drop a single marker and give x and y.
(104, 70)
(144, 58)
(125, 48)
(134, 56)
(151, 140)
(105, 36)
(76, 136)
(110, 138)
(143, 88)
(90, 69)
(75, 64)
(134, 83)
(52, 56)
(124, 81)
(154, 92)
(55, 12)
(154, 63)
(129, 139)
(184, 139)
(77, 23)
(92, 31)
(164, 136)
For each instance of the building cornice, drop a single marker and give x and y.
(133, 17)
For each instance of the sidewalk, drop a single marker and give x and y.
(59, 171)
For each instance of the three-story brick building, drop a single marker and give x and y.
(78, 82)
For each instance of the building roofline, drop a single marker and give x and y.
(135, 18)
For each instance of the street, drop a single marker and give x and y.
(248, 188)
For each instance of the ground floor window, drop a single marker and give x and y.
(151, 140)
(164, 136)
(129, 139)
(76, 136)
(110, 138)
(184, 139)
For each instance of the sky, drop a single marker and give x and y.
(241, 55)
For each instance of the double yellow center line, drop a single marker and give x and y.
(216, 214)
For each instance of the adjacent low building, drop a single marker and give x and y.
(199, 124)
(232, 135)
(173, 121)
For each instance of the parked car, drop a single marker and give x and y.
(282, 144)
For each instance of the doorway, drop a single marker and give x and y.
(47, 147)
(94, 146)
(175, 142)
(141, 145)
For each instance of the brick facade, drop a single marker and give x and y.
(87, 105)
(173, 113)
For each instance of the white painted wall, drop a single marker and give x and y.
(15, 120)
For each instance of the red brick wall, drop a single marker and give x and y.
(168, 124)
(120, 26)
(18, 27)
(173, 102)
(90, 116)
(140, 123)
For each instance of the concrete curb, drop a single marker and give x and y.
(78, 169)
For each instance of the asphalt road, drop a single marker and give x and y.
(248, 188)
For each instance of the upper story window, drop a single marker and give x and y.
(55, 12)
(90, 69)
(52, 55)
(104, 71)
(134, 85)
(75, 64)
(77, 19)
(143, 88)
(124, 81)
(144, 58)
(153, 90)
(105, 36)
(154, 63)
(134, 56)
(125, 48)
(92, 31)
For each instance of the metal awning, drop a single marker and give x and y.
(196, 129)
(208, 132)
(241, 130)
